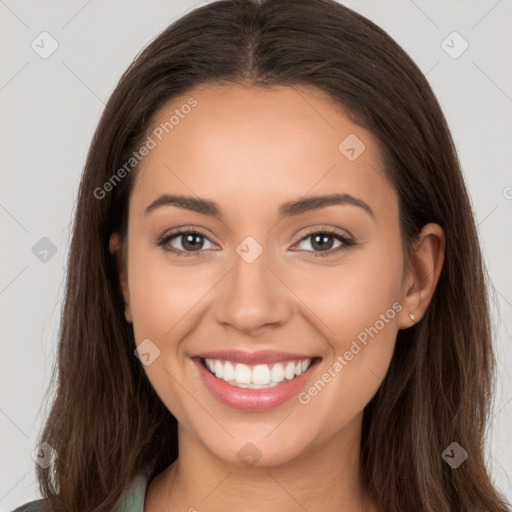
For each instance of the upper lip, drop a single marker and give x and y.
(260, 357)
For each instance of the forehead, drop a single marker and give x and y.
(257, 147)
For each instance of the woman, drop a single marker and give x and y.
(275, 298)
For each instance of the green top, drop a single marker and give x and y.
(131, 501)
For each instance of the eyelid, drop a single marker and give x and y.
(180, 232)
(346, 241)
(327, 230)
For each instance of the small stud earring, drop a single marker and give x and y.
(411, 316)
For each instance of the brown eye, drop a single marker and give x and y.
(184, 243)
(192, 241)
(322, 242)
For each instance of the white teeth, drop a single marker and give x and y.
(228, 372)
(277, 373)
(289, 371)
(218, 369)
(242, 373)
(261, 374)
(256, 376)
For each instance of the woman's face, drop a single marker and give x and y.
(259, 276)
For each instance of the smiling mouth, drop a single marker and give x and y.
(259, 376)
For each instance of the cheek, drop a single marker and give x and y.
(359, 312)
(357, 304)
(353, 295)
(161, 292)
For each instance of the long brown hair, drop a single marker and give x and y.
(106, 421)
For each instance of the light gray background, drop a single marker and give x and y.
(50, 108)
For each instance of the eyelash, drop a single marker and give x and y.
(346, 242)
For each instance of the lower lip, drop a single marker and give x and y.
(245, 399)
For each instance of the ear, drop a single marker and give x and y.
(115, 251)
(425, 263)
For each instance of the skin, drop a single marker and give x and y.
(250, 150)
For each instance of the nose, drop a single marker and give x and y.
(253, 297)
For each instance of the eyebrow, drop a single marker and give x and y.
(287, 209)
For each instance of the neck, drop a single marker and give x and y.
(324, 477)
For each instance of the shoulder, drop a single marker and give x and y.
(32, 506)
(131, 501)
